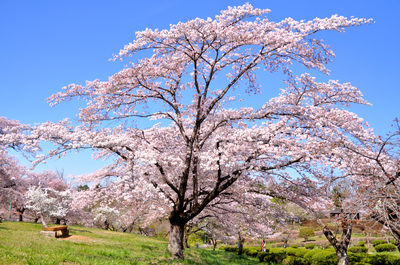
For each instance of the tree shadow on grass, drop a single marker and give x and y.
(4, 228)
(79, 230)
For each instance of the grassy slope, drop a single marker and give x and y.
(21, 243)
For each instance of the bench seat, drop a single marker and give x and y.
(55, 231)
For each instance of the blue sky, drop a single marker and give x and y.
(46, 45)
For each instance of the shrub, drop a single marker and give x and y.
(357, 258)
(295, 261)
(358, 249)
(222, 248)
(277, 255)
(324, 258)
(306, 232)
(385, 247)
(293, 246)
(261, 255)
(311, 253)
(378, 242)
(231, 249)
(361, 243)
(251, 251)
(383, 259)
(298, 252)
(309, 246)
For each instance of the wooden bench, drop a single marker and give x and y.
(56, 231)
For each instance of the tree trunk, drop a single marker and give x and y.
(341, 255)
(43, 222)
(342, 245)
(21, 211)
(214, 241)
(240, 244)
(185, 239)
(285, 245)
(175, 244)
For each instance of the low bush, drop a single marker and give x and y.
(251, 251)
(298, 252)
(360, 258)
(385, 247)
(290, 260)
(277, 255)
(378, 242)
(309, 246)
(324, 258)
(382, 259)
(311, 253)
(261, 256)
(361, 243)
(358, 249)
(231, 249)
(294, 246)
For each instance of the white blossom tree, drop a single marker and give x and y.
(47, 202)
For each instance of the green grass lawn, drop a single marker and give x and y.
(21, 243)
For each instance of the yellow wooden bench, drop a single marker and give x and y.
(56, 231)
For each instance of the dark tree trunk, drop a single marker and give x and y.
(240, 244)
(36, 219)
(21, 211)
(214, 242)
(175, 244)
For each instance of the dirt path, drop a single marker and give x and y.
(74, 237)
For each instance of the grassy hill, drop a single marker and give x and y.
(21, 243)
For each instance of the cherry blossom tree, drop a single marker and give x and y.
(14, 136)
(377, 183)
(202, 149)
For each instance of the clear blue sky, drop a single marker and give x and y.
(46, 45)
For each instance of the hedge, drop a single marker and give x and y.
(231, 249)
(324, 258)
(298, 252)
(358, 249)
(294, 246)
(261, 255)
(385, 247)
(251, 251)
(383, 259)
(311, 253)
(378, 242)
(290, 260)
(309, 246)
(291, 256)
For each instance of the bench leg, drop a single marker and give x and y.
(49, 233)
(64, 232)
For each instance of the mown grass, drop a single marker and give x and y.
(21, 243)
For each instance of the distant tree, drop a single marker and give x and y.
(306, 233)
(82, 187)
